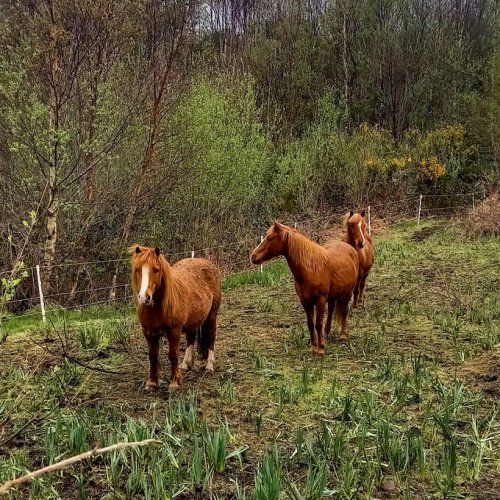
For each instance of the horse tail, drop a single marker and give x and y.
(337, 313)
(340, 311)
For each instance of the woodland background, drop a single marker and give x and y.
(187, 124)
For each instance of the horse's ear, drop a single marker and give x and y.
(133, 249)
(351, 213)
(157, 251)
(277, 226)
(362, 213)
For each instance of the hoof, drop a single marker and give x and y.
(314, 349)
(321, 351)
(209, 370)
(184, 366)
(173, 386)
(343, 338)
(151, 385)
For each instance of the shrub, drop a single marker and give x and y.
(485, 219)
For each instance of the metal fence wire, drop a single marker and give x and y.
(97, 271)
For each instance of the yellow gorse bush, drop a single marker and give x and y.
(432, 168)
(383, 164)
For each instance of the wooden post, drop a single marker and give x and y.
(192, 254)
(369, 221)
(261, 266)
(419, 209)
(40, 292)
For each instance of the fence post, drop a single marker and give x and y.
(295, 225)
(192, 254)
(419, 209)
(473, 201)
(40, 292)
(261, 266)
(369, 221)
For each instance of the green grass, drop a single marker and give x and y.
(411, 399)
(271, 274)
(57, 317)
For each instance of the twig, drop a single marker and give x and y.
(77, 458)
(89, 367)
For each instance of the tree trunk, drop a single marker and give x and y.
(53, 201)
(344, 64)
(89, 194)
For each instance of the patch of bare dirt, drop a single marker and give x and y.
(483, 373)
(425, 232)
(487, 488)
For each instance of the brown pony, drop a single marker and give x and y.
(322, 274)
(184, 297)
(359, 239)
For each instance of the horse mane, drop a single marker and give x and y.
(345, 219)
(169, 294)
(308, 254)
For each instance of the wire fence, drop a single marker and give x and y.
(97, 289)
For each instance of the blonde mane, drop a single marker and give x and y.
(305, 252)
(167, 288)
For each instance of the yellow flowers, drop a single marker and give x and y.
(432, 168)
(384, 164)
(400, 163)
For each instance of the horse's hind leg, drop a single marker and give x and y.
(188, 361)
(153, 340)
(208, 335)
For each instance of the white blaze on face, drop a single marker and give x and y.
(144, 284)
(362, 235)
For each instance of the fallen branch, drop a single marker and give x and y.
(77, 458)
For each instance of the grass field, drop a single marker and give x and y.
(409, 408)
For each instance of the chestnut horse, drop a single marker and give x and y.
(184, 297)
(357, 236)
(322, 274)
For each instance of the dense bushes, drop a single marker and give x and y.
(169, 123)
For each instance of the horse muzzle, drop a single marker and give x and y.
(145, 300)
(255, 260)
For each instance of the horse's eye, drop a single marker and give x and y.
(156, 271)
(269, 238)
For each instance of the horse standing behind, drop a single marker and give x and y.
(322, 274)
(362, 242)
(184, 297)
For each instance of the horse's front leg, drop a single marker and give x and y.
(320, 312)
(329, 317)
(174, 338)
(362, 287)
(356, 293)
(309, 309)
(153, 340)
